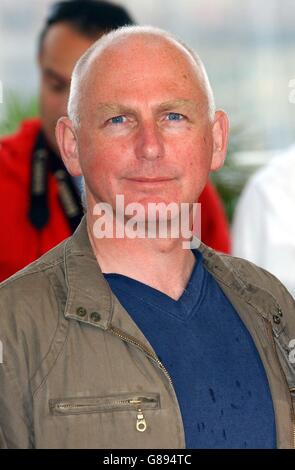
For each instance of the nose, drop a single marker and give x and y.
(149, 142)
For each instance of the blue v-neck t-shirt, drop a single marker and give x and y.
(217, 373)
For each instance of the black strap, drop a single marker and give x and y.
(44, 161)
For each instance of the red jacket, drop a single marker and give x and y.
(21, 243)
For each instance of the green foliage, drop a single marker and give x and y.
(16, 110)
(231, 179)
(229, 185)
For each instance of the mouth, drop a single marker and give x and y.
(142, 179)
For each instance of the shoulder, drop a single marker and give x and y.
(263, 290)
(36, 274)
(30, 305)
(246, 284)
(248, 276)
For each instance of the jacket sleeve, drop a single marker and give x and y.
(28, 322)
(16, 430)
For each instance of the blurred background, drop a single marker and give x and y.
(247, 46)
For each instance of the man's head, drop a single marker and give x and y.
(71, 27)
(142, 120)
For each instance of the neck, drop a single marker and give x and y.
(160, 263)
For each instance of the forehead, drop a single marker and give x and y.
(142, 68)
(62, 47)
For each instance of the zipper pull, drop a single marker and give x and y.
(141, 422)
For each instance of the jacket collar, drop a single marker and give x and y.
(244, 285)
(90, 299)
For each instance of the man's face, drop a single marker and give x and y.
(144, 129)
(62, 48)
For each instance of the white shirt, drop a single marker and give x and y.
(263, 229)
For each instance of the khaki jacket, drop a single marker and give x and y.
(78, 373)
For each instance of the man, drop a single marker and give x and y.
(40, 203)
(135, 342)
(263, 225)
(43, 202)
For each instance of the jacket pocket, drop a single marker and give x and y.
(123, 402)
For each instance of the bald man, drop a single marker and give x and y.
(126, 336)
(35, 188)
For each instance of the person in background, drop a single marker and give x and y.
(263, 229)
(40, 202)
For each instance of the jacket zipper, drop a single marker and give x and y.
(141, 424)
(283, 374)
(143, 348)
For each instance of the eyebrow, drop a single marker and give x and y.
(180, 103)
(56, 76)
(113, 108)
(117, 108)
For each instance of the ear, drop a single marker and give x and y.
(68, 145)
(220, 137)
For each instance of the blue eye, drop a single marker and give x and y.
(175, 117)
(117, 120)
